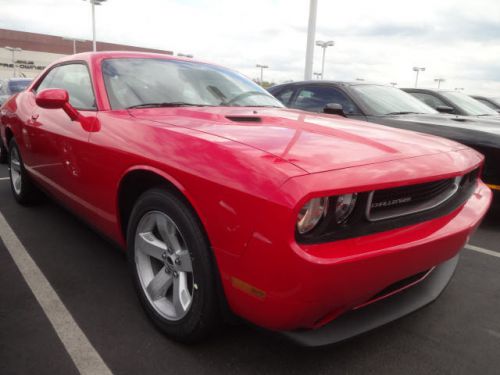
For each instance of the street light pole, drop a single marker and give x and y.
(439, 80)
(262, 67)
(94, 3)
(13, 50)
(324, 45)
(418, 70)
(311, 34)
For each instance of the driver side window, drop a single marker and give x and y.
(315, 99)
(75, 79)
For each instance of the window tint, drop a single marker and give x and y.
(285, 95)
(429, 99)
(75, 79)
(315, 99)
(469, 105)
(488, 103)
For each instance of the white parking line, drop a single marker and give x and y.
(79, 348)
(4, 178)
(483, 251)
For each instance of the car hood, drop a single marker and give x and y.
(312, 142)
(466, 129)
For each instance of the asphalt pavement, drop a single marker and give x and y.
(458, 334)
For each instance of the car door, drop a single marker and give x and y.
(59, 145)
(314, 98)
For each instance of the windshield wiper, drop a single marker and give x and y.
(167, 104)
(403, 113)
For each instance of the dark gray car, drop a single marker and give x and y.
(392, 107)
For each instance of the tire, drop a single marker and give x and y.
(169, 256)
(3, 153)
(21, 185)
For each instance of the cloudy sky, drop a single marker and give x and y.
(380, 41)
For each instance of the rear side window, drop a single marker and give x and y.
(315, 99)
(429, 99)
(75, 79)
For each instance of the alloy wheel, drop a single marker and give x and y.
(164, 265)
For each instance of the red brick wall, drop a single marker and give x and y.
(56, 44)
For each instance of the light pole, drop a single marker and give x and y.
(13, 50)
(188, 55)
(324, 45)
(393, 84)
(311, 35)
(418, 70)
(94, 3)
(262, 67)
(74, 43)
(439, 80)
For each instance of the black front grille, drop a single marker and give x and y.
(408, 196)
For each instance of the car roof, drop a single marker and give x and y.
(328, 83)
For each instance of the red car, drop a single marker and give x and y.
(313, 225)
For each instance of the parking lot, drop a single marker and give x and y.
(458, 334)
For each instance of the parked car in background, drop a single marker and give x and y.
(392, 107)
(225, 200)
(493, 103)
(13, 86)
(453, 102)
(7, 89)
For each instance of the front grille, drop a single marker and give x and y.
(382, 210)
(406, 200)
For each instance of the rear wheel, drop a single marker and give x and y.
(171, 264)
(23, 189)
(3, 153)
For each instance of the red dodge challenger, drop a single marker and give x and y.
(313, 225)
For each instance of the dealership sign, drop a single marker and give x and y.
(23, 64)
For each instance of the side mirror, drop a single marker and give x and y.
(57, 99)
(445, 109)
(334, 109)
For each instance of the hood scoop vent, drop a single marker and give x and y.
(244, 118)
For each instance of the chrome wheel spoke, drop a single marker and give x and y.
(150, 245)
(181, 296)
(168, 232)
(157, 288)
(15, 165)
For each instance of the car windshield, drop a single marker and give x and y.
(18, 85)
(470, 105)
(148, 82)
(385, 100)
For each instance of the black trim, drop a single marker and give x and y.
(358, 225)
(359, 321)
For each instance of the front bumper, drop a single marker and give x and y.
(284, 286)
(359, 321)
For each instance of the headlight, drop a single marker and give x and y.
(311, 214)
(344, 207)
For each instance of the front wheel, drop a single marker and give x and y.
(170, 259)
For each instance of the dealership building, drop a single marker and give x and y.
(33, 52)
